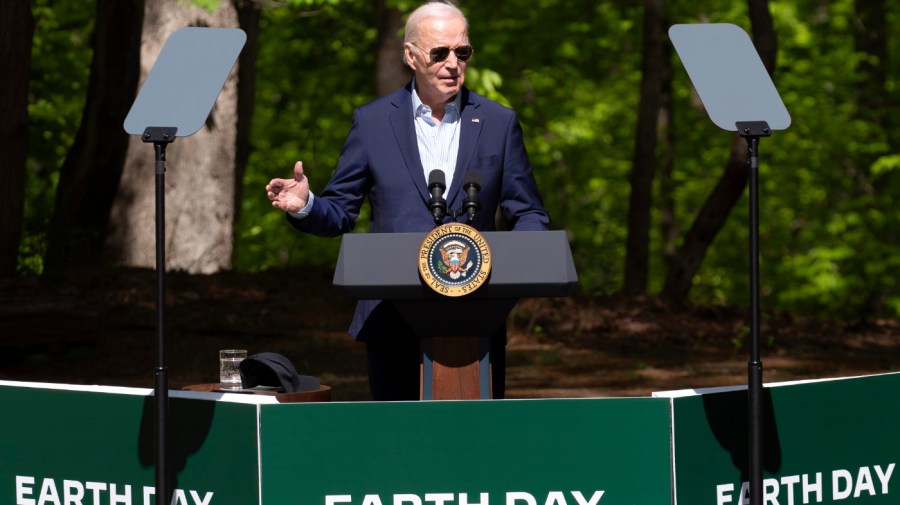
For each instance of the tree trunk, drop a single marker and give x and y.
(390, 71)
(668, 219)
(637, 247)
(200, 173)
(764, 38)
(249, 13)
(89, 177)
(709, 221)
(714, 212)
(870, 36)
(16, 31)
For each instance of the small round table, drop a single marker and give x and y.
(322, 395)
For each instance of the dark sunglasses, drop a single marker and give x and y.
(439, 54)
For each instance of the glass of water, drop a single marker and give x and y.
(229, 368)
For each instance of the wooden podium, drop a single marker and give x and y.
(455, 360)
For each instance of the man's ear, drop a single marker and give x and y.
(408, 55)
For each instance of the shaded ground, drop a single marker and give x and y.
(101, 330)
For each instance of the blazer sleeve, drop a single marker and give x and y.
(520, 200)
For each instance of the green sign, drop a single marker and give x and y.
(91, 448)
(828, 442)
(528, 452)
(65, 447)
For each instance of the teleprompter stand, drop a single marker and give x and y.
(175, 101)
(738, 95)
(455, 332)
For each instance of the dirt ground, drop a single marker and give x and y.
(101, 329)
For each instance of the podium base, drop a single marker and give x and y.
(455, 368)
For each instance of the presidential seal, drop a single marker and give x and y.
(454, 259)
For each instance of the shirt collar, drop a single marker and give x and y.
(419, 108)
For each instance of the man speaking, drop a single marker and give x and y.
(395, 142)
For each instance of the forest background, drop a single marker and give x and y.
(607, 110)
(651, 193)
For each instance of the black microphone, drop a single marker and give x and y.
(437, 183)
(472, 185)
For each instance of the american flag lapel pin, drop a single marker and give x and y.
(476, 120)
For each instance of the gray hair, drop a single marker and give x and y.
(433, 9)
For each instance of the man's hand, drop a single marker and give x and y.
(289, 195)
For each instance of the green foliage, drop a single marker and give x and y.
(554, 59)
(315, 66)
(208, 5)
(571, 69)
(827, 184)
(60, 64)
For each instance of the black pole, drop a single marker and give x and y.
(197, 61)
(161, 137)
(754, 366)
(161, 372)
(751, 131)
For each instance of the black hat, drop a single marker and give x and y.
(274, 370)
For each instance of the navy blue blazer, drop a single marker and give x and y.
(381, 160)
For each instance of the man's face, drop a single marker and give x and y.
(438, 82)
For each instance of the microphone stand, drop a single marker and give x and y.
(437, 204)
(470, 204)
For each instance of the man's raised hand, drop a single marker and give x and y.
(289, 195)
